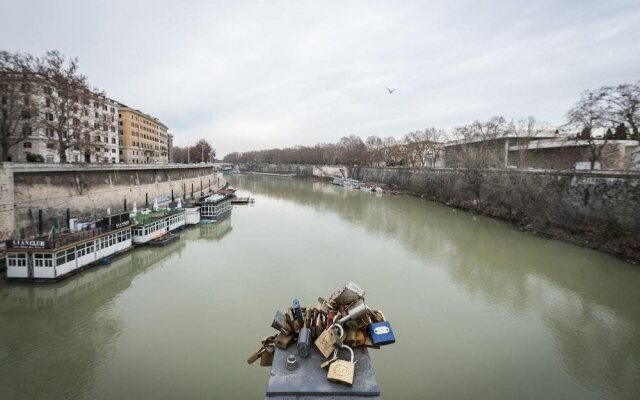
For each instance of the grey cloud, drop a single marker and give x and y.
(249, 75)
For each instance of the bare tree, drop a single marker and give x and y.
(18, 106)
(622, 105)
(477, 151)
(374, 147)
(588, 114)
(67, 97)
(525, 130)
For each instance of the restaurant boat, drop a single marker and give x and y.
(154, 224)
(216, 206)
(54, 256)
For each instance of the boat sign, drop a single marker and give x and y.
(27, 244)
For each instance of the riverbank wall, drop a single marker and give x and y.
(598, 209)
(30, 189)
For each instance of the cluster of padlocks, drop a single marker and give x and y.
(341, 321)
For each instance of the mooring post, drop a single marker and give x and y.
(125, 204)
(69, 219)
(146, 200)
(192, 190)
(172, 198)
(40, 222)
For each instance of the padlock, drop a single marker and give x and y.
(347, 294)
(360, 338)
(349, 337)
(304, 338)
(354, 311)
(283, 341)
(369, 343)
(359, 322)
(376, 316)
(289, 322)
(329, 339)
(330, 315)
(381, 332)
(266, 358)
(341, 371)
(297, 312)
(280, 323)
(253, 357)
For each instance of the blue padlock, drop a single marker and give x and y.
(381, 332)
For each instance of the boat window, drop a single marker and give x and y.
(43, 260)
(71, 254)
(60, 257)
(17, 260)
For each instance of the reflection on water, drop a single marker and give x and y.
(480, 309)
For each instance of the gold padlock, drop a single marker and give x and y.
(253, 357)
(266, 358)
(350, 337)
(327, 340)
(341, 371)
(283, 341)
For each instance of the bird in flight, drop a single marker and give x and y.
(390, 90)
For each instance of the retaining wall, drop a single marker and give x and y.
(88, 190)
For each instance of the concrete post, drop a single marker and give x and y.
(7, 207)
(506, 154)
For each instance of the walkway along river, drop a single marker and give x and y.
(480, 309)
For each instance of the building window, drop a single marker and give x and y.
(50, 146)
(26, 145)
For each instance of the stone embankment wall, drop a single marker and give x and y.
(562, 197)
(88, 190)
(599, 209)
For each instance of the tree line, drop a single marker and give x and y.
(614, 108)
(202, 151)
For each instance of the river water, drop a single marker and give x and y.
(480, 309)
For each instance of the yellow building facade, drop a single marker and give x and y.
(143, 139)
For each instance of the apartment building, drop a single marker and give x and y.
(90, 136)
(143, 139)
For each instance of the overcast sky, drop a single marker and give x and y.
(263, 74)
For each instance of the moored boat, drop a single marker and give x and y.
(52, 257)
(215, 207)
(154, 224)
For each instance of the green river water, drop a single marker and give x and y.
(480, 310)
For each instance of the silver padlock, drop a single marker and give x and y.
(347, 294)
(356, 310)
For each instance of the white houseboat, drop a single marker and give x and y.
(55, 258)
(155, 224)
(216, 206)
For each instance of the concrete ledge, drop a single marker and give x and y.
(81, 167)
